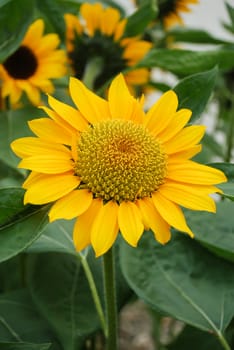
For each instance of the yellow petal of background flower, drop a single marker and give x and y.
(186, 138)
(195, 173)
(105, 228)
(72, 205)
(47, 129)
(171, 213)
(189, 196)
(49, 188)
(83, 225)
(162, 112)
(68, 113)
(54, 163)
(158, 225)
(109, 19)
(92, 107)
(130, 222)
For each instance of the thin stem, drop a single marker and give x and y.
(223, 341)
(230, 136)
(94, 292)
(110, 299)
(92, 70)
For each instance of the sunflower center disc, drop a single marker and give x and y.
(22, 64)
(119, 160)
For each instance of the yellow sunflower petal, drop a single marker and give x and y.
(60, 121)
(28, 146)
(171, 213)
(119, 31)
(48, 188)
(47, 129)
(179, 120)
(161, 113)
(53, 163)
(194, 197)
(185, 154)
(109, 19)
(105, 228)
(83, 225)
(194, 173)
(118, 91)
(91, 14)
(158, 225)
(130, 222)
(91, 106)
(72, 205)
(34, 32)
(68, 113)
(186, 138)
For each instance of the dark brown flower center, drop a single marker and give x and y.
(22, 64)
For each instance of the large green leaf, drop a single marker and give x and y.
(21, 322)
(13, 126)
(24, 346)
(19, 225)
(139, 20)
(60, 290)
(195, 36)
(181, 279)
(56, 237)
(194, 91)
(14, 21)
(215, 231)
(186, 62)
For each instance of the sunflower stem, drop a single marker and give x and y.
(110, 299)
(92, 70)
(223, 341)
(94, 292)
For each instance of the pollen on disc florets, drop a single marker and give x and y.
(120, 160)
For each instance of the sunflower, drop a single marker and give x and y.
(100, 33)
(116, 168)
(169, 11)
(30, 68)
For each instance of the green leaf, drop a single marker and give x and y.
(181, 279)
(60, 290)
(56, 237)
(215, 231)
(15, 21)
(53, 11)
(13, 126)
(194, 91)
(195, 36)
(24, 346)
(194, 339)
(19, 225)
(10, 177)
(186, 62)
(21, 322)
(139, 20)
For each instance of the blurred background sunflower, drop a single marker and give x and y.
(99, 48)
(30, 68)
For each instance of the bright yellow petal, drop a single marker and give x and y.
(194, 173)
(72, 205)
(105, 228)
(28, 146)
(130, 222)
(162, 112)
(179, 120)
(121, 102)
(68, 113)
(185, 154)
(151, 217)
(34, 33)
(109, 19)
(189, 196)
(92, 15)
(48, 188)
(91, 106)
(49, 163)
(47, 129)
(186, 138)
(83, 225)
(171, 213)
